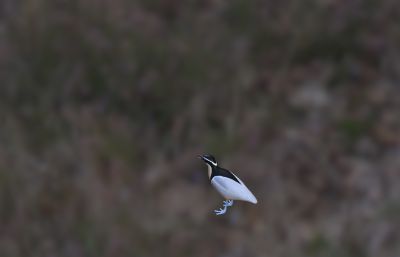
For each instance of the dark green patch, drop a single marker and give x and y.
(318, 246)
(353, 129)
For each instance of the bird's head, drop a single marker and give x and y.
(209, 159)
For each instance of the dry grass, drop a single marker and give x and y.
(105, 104)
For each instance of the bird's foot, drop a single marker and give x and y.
(221, 211)
(228, 203)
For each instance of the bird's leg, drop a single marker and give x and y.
(226, 204)
(220, 211)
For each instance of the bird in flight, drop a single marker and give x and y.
(227, 184)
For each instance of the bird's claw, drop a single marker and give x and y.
(228, 203)
(220, 211)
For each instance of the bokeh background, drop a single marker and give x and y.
(105, 104)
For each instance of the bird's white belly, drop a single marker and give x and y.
(232, 190)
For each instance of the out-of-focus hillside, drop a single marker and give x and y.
(104, 106)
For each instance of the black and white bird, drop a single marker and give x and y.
(227, 184)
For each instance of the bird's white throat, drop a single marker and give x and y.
(209, 170)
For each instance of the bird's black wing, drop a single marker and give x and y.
(217, 171)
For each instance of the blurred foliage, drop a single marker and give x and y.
(104, 106)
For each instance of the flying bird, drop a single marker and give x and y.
(227, 184)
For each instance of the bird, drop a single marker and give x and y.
(227, 184)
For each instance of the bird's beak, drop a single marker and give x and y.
(200, 157)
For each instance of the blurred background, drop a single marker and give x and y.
(105, 104)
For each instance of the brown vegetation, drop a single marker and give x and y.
(104, 106)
